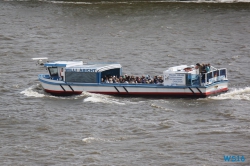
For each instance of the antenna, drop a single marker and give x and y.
(40, 61)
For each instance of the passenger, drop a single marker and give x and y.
(117, 80)
(120, 79)
(150, 81)
(188, 69)
(143, 79)
(203, 71)
(124, 76)
(106, 80)
(62, 74)
(132, 81)
(128, 78)
(149, 77)
(215, 73)
(132, 78)
(155, 80)
(203, 68)
(114, 79)
(208, 68)
(198, 67)
(110, 80)
(138, 80)
(160, 80)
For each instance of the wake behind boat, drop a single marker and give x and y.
(75, 77)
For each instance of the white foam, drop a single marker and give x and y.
(68, 2)
(93, 139)
(88, 140)
(236, 94)
(31, 93)
(160, 107)
(98, 98)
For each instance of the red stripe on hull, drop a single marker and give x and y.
(217, 91)
(63, 93)
(149, 93)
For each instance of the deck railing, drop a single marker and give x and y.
(214, 76)
(206, 78)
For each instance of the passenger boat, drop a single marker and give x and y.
(75, 77)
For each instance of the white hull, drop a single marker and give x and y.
(61, 88)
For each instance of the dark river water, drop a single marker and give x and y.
(146, 38)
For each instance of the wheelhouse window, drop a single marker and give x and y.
(53, 71)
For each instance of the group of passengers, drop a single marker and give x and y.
(133, 79)
(203, 68)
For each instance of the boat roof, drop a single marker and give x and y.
(94, 67)
(178, 68)
(63, 63)
(79, 66)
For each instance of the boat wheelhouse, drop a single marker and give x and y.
(75, 77)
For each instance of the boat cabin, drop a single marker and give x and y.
(184, 75)
(78, 72)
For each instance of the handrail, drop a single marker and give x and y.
(214, 76)
(213, 68)
(206, 78)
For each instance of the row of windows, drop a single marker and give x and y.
(88, 77)
(80, 77)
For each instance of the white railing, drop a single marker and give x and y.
(214, 76)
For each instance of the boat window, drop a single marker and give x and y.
(223, 72)
(215, 73)
(80, 77)
(53, 71)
